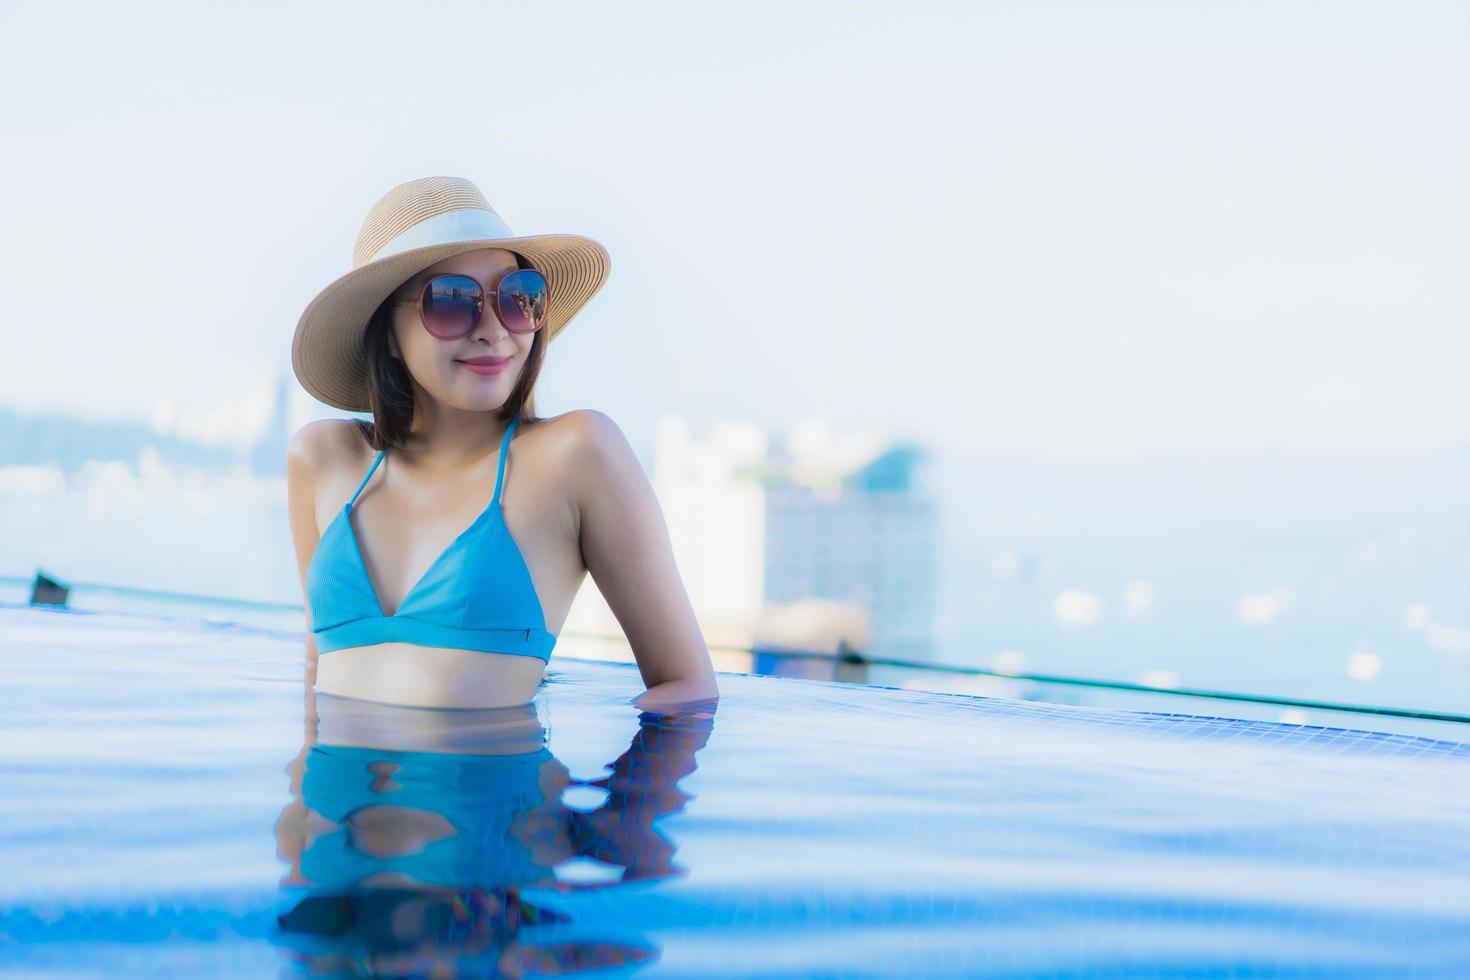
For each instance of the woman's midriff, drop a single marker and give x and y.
(432, 677)
(363, 724)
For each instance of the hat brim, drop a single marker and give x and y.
(327, 353)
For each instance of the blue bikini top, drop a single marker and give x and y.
(477, 595)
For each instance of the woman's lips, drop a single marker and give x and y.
(485, 367)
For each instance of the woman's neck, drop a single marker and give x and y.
(447, 443)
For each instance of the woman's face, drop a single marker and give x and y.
(436, 365)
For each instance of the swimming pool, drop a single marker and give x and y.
(168, 811)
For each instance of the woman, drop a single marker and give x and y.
(418, 591)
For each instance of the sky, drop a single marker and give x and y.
(1057, 230)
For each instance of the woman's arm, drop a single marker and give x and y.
(302, 453)
(625, 546)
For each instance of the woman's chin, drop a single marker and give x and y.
(484, 397)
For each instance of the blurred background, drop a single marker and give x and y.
(1117, 341)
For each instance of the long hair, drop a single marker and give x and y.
(390, 389)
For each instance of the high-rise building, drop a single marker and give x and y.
(814, 541)
(870, 542)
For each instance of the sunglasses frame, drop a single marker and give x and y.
(493, 291)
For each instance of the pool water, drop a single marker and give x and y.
(176, 804)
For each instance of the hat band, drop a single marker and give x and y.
(467, 225)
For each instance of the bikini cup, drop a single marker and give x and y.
(477, 594)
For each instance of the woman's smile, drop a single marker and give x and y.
(484, 365)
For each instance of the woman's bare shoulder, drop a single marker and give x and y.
(577, 423)
(322, 446)
(569, 438)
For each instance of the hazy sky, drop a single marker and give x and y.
(1066, 229)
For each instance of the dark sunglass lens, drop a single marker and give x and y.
(523, 298)
(451, 306)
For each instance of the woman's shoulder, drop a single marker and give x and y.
(579, 423)
(588, 453)
(575, 435)
(324, 445)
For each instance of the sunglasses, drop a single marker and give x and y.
(451, 305)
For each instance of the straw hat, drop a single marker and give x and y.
(412, 227)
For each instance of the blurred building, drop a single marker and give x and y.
(268, 453)
(291, 408)
(812, 541)
(871, 542)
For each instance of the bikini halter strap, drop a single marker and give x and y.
(500, 467)
(368, 476)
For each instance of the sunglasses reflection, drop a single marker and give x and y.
(454, 301)
(532, 304)
(413, 835)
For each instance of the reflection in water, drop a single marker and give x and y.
(412, 830)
